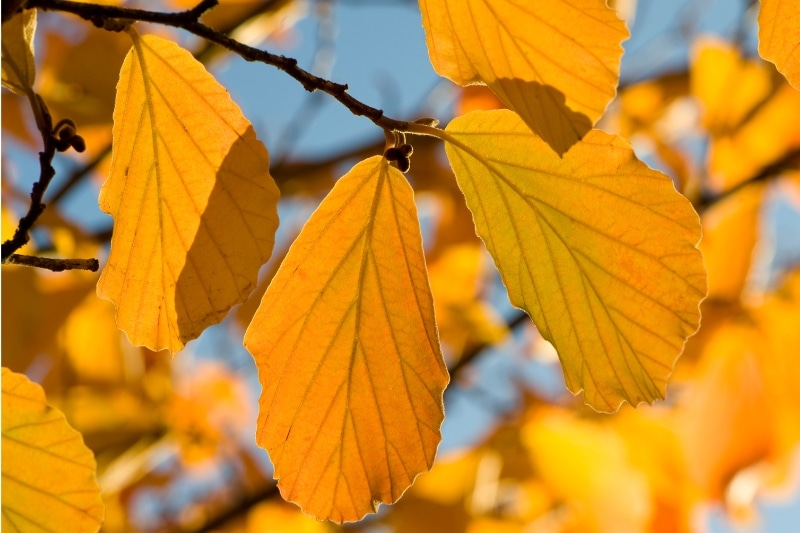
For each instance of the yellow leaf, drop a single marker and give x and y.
(49, 481)
(193, 203)
(727, 85)
(598, 248)
(588, 466)
(281, 517)
(730, 232)
(346, 346)
(555, 63)
(779, 37)
(771, 133)
(19, 70)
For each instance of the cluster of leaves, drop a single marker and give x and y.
(596, 247)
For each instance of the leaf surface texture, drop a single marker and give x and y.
(779, 37)
(49, 481)
(194, 206)
(598, 248)
(555, 63)
(347, 351)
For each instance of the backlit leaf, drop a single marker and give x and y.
(598, 248)
(555, 63)
(588, 466)
(347, 352)
(727, 85)
(193, 203)
(779, 37)
(19, 70)
(730, 232)
(49, 479)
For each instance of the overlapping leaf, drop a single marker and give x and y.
(19, 70)
(347, 352)
(779, 37)
(598, 248)
(190, 191)
(49, 479)
(555, 63)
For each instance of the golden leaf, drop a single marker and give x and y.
(19, 70)
(49, 481)
(193, 203)
(588, 466)
(730, 232)
(555, 63)
(727, 85)
(779, 37)
(598, 248)
(346, 346)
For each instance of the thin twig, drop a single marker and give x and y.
(46, 173)
(100, 15)
(56, 265)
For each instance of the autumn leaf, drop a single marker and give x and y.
(727, 85)
(598, 248)
(555, 63)
(19, 70)
(588, 466)
(193, 203)
(49, 479)
(347, 352)
(730, 232)
(779, 37)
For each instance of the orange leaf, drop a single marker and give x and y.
(598, 248)
(190, 191)
(779, 37)
(730, 232)
(727, 85)
(588, 466)
(347, 352)
(555, 63)
(49, 479)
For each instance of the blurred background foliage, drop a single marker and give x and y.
(174, 437)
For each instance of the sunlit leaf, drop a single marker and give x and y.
(770, 133)
(49, 479)
(19, 70)
(555, 63)
(727, 85)
(588, 467)
(723, 422)
(281, 517)
(742, 408)
(598, 248)
(730, 231)
(779, 37)
(193, 203)
(462, 315)
(347, 351)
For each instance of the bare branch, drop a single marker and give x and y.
(112, 17)
(56, 265)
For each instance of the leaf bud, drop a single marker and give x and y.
(403, 164)
(66, 132)
(393, 154)
(78, 144)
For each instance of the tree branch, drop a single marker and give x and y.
(106, 16)
(46, 173)
(56, 265)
